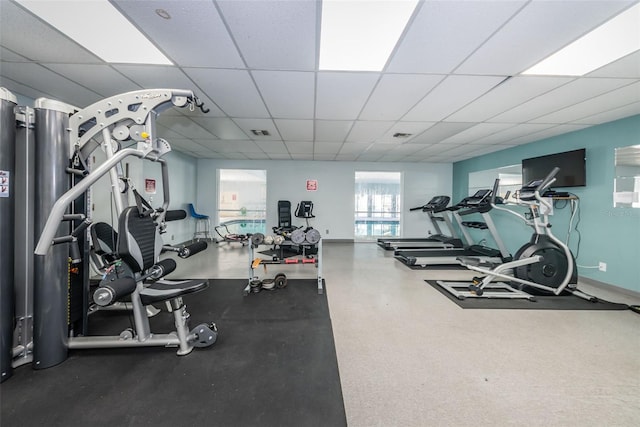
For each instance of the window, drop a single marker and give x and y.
(242, 200)
(377, 205)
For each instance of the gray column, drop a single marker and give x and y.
(7, 206)
(51, 271)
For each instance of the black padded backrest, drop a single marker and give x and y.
(284, 213)
(103, 238)
(139, 242)
(305, 209)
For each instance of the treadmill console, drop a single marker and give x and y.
(437, 204)
(481, 196)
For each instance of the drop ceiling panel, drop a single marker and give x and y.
(302, 156)
(407, 149)
(609, 101)
(232, 90)
(18, 88)
(608, 116)
(507, 95)
(326, 147)
(540, 29)
(27, 35)
(277, 156)
(247, 125)
(396, 94)
(379, 148)
(99, 78)
(235, 156)
(207, 155)
(412, 128)
(295, 130)
(7, 55)
(274, 34)
(546, 133)
(272, 146)
(186, 127)
(452, 94)
(476, 132)
(186, 145)
(444, 33)
(346, 157)
(157, 76)
(300, 147)
(257, 156)
(332, 130)
(571, 93)
(324, 157)
(288, 94)
(353, 148)
(507, 135)
(629, 67)
(391, 157)
(440, 132)
(369, 157)
(195, 36)
(221, 127)
(235, 147)
(61, 89)
(342, 95)
(367, 131)
(165, 132)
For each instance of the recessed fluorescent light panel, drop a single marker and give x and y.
(612, 40)
(99, 27)
(359, 35)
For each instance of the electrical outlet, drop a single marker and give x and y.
(173, 237)
(326, 231)
(602, 266)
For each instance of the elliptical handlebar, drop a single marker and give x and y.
(548, 180)
(496, 184)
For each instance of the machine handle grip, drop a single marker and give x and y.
(192, 249)
(419, 208)
(494, 192)
(548, 180)
(175, 215)
(111, 292)
(163, 267)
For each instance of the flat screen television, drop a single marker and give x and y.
(572, 166)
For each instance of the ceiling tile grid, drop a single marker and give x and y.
(451, 89)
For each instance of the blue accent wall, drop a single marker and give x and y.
(607, 234)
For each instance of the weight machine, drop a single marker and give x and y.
(55, 170)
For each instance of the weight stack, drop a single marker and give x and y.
(7, 206)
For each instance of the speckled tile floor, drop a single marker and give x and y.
(410, 357)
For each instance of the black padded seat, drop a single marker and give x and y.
(164, 290)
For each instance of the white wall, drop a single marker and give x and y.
(334, 199)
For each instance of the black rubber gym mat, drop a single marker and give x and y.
(564, 302)
(274, 365)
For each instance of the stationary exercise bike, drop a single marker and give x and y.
(542, 266)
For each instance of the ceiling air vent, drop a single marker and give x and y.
(260, 132)
(402, 135)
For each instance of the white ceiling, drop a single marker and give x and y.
(453, 81)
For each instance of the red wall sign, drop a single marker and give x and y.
(312, 184)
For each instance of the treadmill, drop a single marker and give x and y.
(479, 203)
(437, 205)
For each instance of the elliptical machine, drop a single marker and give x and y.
(542, 266)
